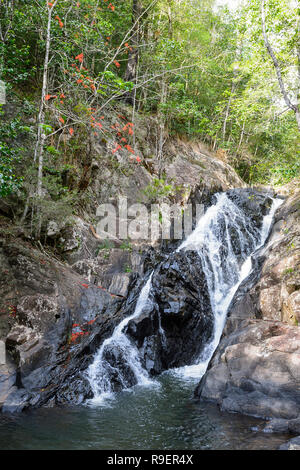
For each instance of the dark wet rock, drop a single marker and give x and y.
(75, 390)
(294, 426)
(283, 425)
(120, 373)
(277, 425)
(47, 299)
(17, 401)
(254, 203)
(178, 321)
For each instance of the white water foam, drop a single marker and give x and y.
(221, 291)
(100, 371)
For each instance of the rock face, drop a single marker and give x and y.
(256, 368)
(172, 331)
(56, 319)
(257, 371)
(58, 315)
(178, 320)
(188, 167)
(8, 379)
(292, 444)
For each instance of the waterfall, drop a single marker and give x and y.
(101, 371)
(224, 239)
(224, 274)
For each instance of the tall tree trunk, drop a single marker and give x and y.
(133, 57)
(169, 12)
(41, 137)
(241, 137)
(163, 100)
(233, 87)
(293, 107)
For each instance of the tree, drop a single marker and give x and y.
(133, 55)
(294, 107)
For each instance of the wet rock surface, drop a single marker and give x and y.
(179, 320)
(50, 316)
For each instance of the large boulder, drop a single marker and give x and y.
(292, 444)
(257, 371)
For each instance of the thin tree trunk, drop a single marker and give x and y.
(163, 100)
(134, 109)
(227, 110)
(41, 136)
(294, 107)
(133, 57)
(241, 138)
(170, 19)
(161, 126)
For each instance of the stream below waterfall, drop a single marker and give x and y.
(141, 418)
(159, 413)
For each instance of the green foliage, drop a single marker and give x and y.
(10, 155)
(219, 81)
(126, 246)
(158, 189)
(107, 245)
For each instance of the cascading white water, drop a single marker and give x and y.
(224, 274)
(101, 371)
(224, 239)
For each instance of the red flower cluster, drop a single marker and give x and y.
(12, 309)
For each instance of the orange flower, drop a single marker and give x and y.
(130, 149)
(79, 57)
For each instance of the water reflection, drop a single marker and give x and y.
(165, 417)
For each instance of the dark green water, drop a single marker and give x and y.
(164, 417)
